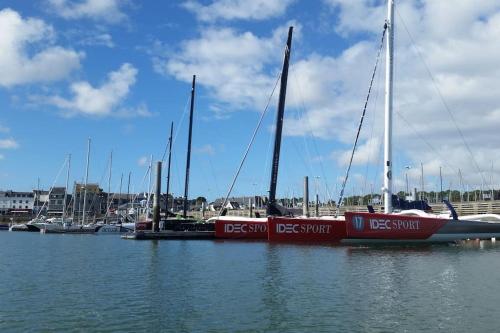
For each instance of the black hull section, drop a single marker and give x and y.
(469, 227)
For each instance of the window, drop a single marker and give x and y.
(14, 201)
(26, 207)
(26, 201)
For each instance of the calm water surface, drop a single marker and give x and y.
(103, 283)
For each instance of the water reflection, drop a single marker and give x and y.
(185, 286)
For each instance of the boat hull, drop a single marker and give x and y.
(313, 230)
(68, 230)
(241, 228)
(26, 227)
(389, 228)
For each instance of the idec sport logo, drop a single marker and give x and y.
(386, 224)
(244, 228)
(358, 222)
(310, 228)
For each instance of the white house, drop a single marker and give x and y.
(11, 201)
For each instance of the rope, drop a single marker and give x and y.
(311, 134)
(250, 144)
(474, 161)
(361, 121)
(66, 160)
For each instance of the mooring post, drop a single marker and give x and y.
(156, 199)
(317, 205)
(305, 202)
(250, 207)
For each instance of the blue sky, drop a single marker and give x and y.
(119, 72)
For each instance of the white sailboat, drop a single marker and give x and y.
(67, 225)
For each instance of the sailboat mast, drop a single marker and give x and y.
(279, 127)
(86, 182)
(188, 160)
(66, 189)
(168, 167)
(388, 108)
(109, 184)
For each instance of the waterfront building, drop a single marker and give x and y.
(56, 201)
(12, 202)
(234, 203)
(41, 201)
(95, 200)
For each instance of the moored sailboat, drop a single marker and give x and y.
(389, 227)
(231, 227)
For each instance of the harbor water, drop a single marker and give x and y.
(85, 283)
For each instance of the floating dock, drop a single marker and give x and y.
(170, 234)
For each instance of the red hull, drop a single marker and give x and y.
(144, 225)
(388, 226)
(240, 229)
(356, 226)
(283, 229)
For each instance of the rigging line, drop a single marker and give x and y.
(177, 129)
(426, 142)
(447, 108)
(266, 165)
(101, 180)
(250, 144)
(66, 160)
(361, 120)
(300, 114)
(311, 134)
(371, 154)
(175, 161)
(110, 203)
(214, 176)
(142, 181)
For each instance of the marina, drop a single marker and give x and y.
(249, 166)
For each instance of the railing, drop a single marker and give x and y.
(464, 208)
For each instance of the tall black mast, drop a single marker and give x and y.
(168, 167)
(188, 161)
(271, 207)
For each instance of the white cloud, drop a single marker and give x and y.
(360, 15)
(103, 100)
(20, 66)
(230, 64)
(366, 152)
(2, 156)
(143, 161)
(9, 143)
(207, 149)
(238, 9)
(448, 36)
(101, 39)
(4, 129)
(102, 10)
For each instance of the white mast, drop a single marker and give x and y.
(86, 182)
(66, 189)
(388, 109)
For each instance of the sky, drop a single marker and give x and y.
(119, 72)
